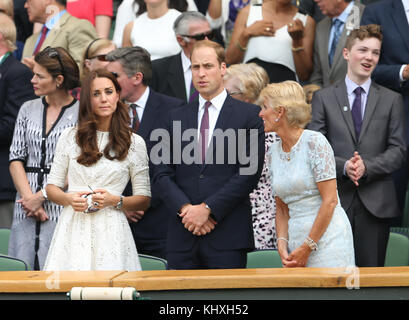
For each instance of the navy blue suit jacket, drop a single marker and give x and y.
(153, 225)
(390, 15)
(220, 185)
(15, 89)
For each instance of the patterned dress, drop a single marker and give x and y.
(294, 177)
(263, 205)
(29, 239)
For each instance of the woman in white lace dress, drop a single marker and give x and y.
(312, 228)
(98, 157)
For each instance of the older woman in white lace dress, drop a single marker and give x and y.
(312, 228)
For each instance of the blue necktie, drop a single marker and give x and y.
(337, 34)
(357, 111)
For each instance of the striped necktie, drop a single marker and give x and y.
(194, 94)
(135, 120)
(44, 31)
(204, 130)
(337, 34)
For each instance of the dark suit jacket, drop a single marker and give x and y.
(15, 89)
(381, 143)
(153, 225)
(390, 15)
(168, 78)
(219, 185)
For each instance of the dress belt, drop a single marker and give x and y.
(38, 170)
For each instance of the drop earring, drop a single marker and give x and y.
(276, 119)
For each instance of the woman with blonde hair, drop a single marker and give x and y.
(312, 228)
(244, 82)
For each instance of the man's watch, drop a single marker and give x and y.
(44, 194)
(120, 203)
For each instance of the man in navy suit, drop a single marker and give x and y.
(132, 67)
(216, 153)
(15, 89)
(393, 67)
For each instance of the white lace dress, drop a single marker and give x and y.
(294, 177)
(101, 240)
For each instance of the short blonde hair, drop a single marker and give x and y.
(8, 7)
(251, 79)
(8, 30)
(291, 96)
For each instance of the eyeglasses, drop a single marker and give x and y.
(53, 53)
(114, 74)
(100, 57)
(201, 36)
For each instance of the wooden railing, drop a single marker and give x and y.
(46, 282)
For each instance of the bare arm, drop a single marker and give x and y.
(242, 34)
(30, 201)
(303, 43)
(328, 192)
(126, 41)
(103, 26)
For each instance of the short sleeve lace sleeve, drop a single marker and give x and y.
(139, 167)
(59, 167)
(322, 158)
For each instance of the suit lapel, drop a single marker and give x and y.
(343, 103)
(54, 33)
(221, 124)
(149, 116)
(176, 78)
(324, 48)
(400, 20)
(371, 102)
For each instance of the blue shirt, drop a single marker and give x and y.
(50, 24)
(343, 17)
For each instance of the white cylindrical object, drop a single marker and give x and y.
(102, 293)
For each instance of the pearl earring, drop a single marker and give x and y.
(276, 119)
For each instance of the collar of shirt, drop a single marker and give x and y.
(217, 101)
(344, 15)
(187, 73)
(351, 86)
(186, 63)
(214, 110)
(405, 5)
(54, 20)
(141, 103)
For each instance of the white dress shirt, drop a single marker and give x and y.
(187, 73)
(141, 104)
(214, 111)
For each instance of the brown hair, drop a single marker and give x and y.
(119, 131)
(364, 32)
(220, 53)
(57, 61)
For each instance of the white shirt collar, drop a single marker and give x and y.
(405, 5)
(217, 101)
(185, 62)
(141, 102)
(344, 15)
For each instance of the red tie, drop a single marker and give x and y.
(204, 130)
(44, 31)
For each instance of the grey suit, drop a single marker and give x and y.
(382, 146)
(323, 74)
